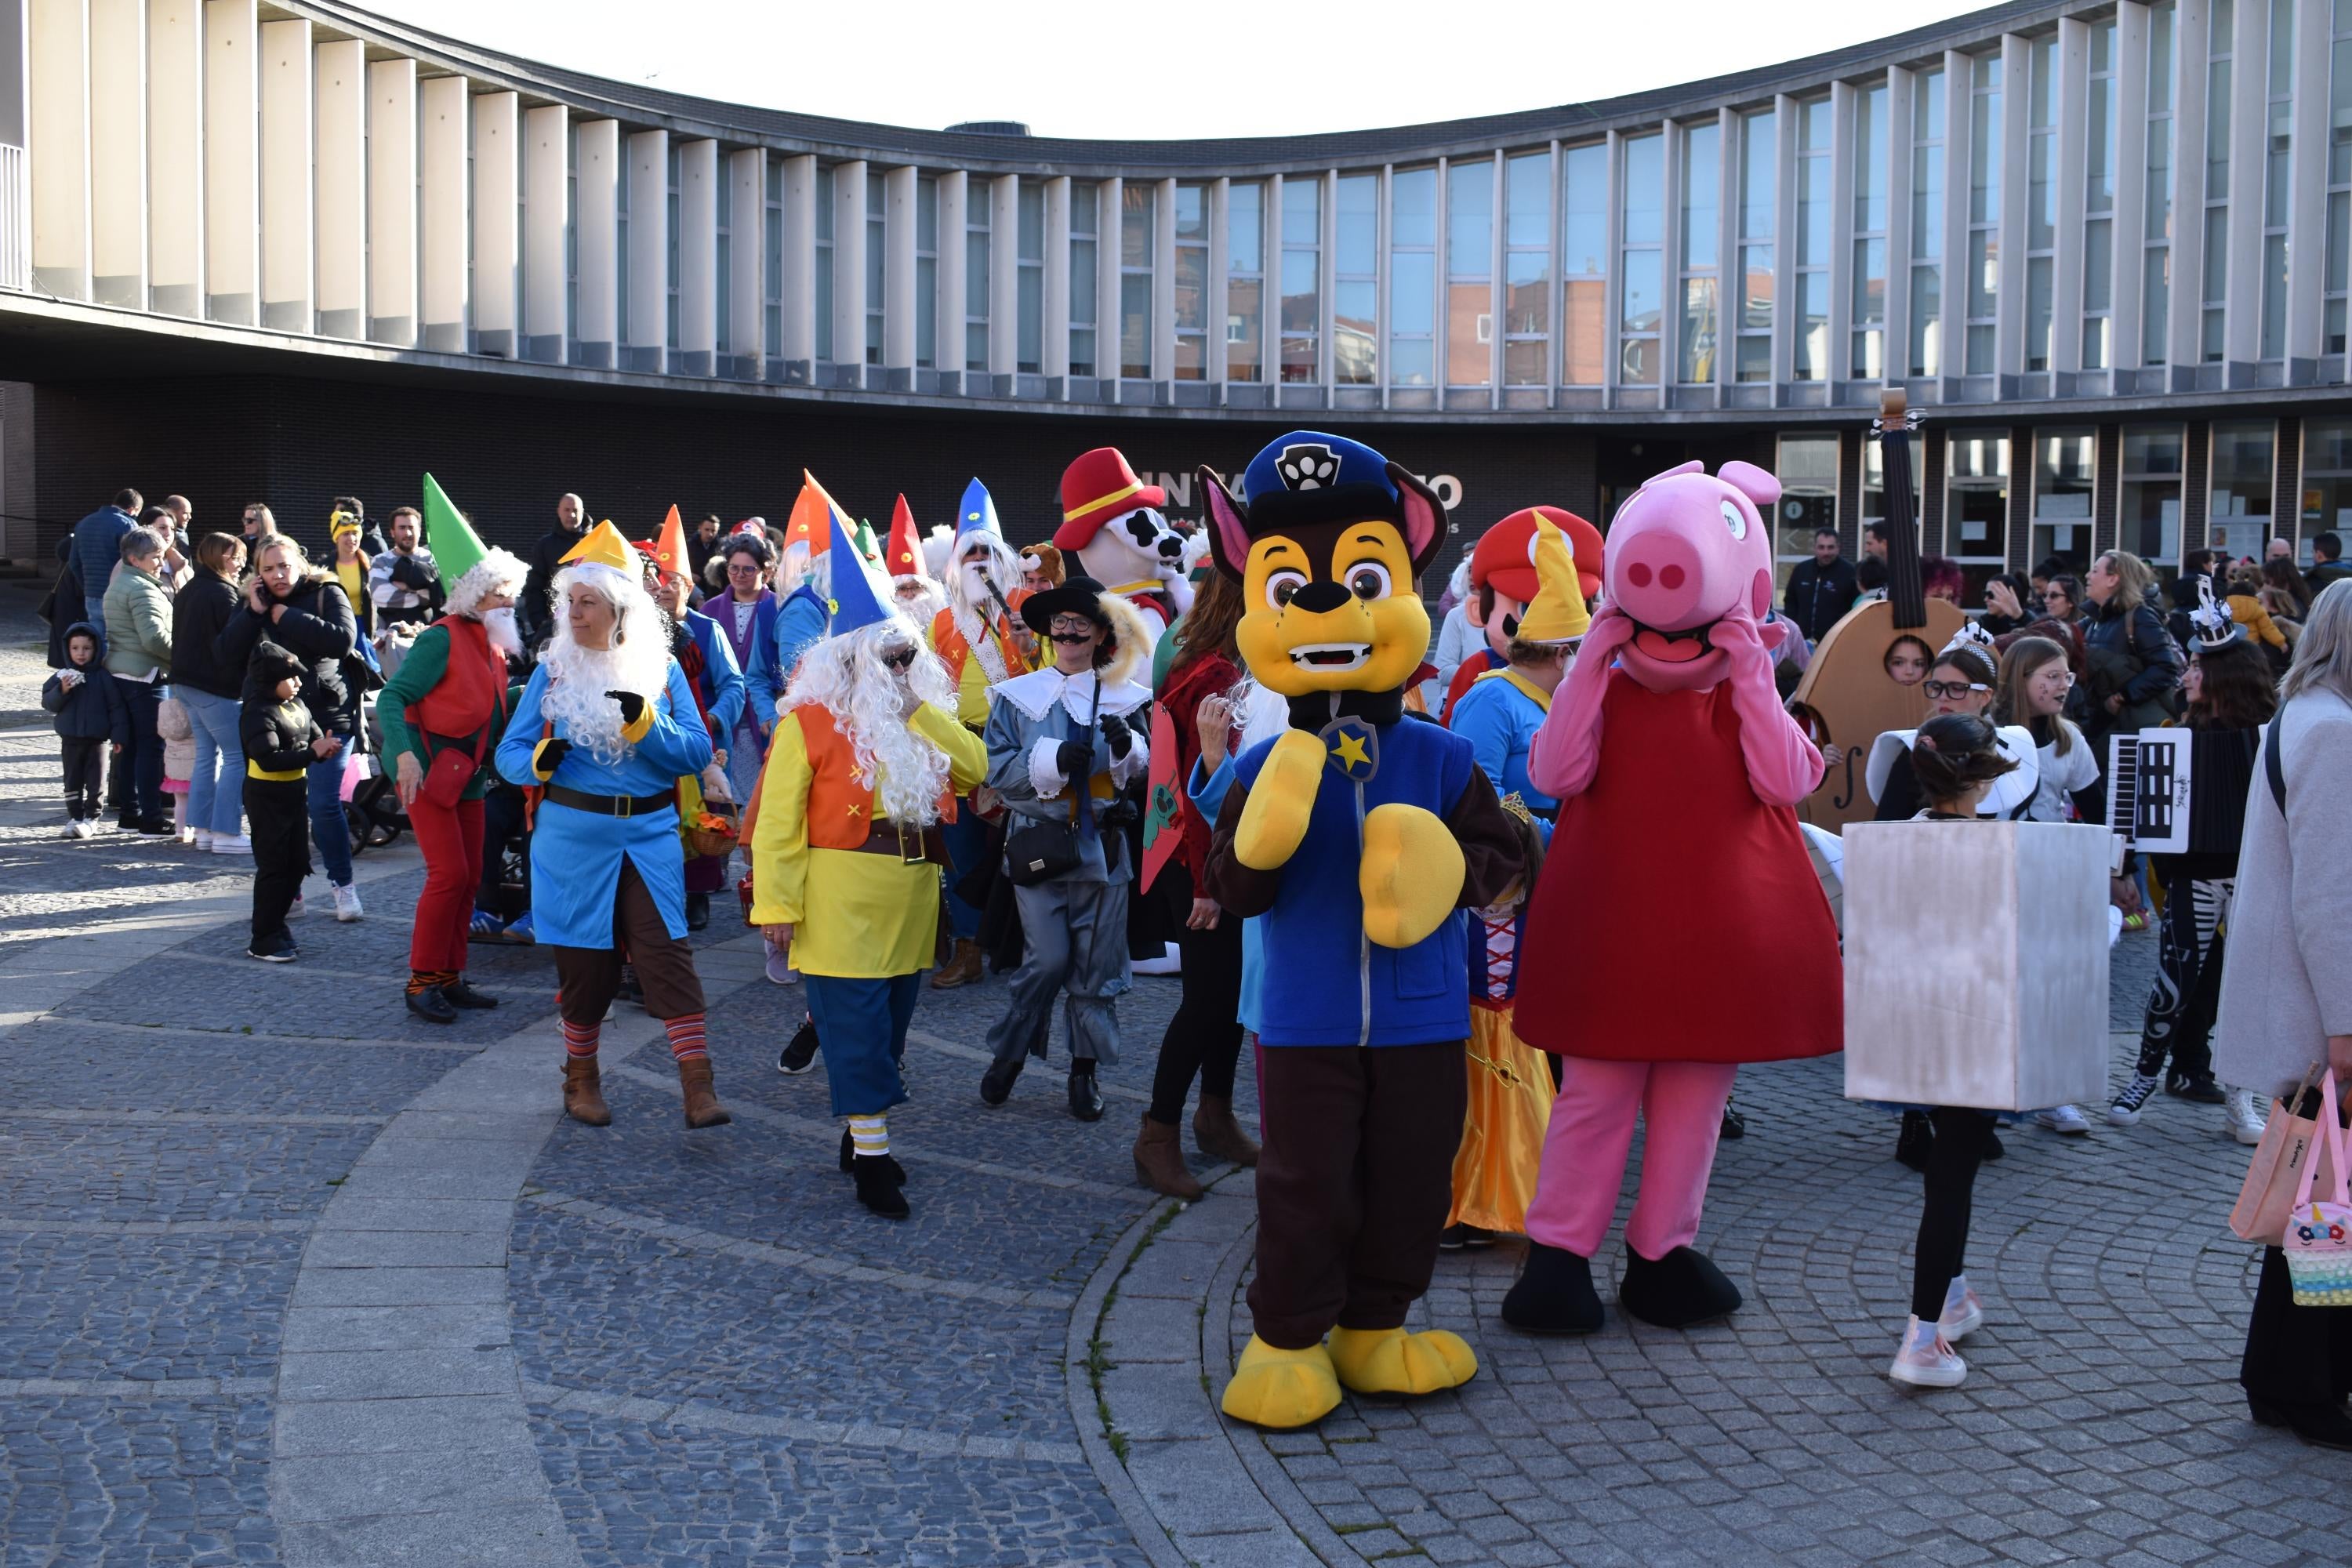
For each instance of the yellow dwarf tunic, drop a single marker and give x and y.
(970, 676)
(855, 915)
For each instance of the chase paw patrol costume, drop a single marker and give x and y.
(1353, 841)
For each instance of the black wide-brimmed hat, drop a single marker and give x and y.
(1077, 597)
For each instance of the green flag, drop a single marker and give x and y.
(457, 549)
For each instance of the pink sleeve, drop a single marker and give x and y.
(1784, 767)
(1566, 751)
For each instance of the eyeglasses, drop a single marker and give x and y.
(1948, 689)
(1071, 624)
(743, 569)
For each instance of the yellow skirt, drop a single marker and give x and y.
(1503, 1135)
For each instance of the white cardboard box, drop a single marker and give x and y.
(1975, 962)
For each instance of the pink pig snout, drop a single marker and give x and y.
(1659, 577)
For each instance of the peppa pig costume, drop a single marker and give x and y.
(1678, 870)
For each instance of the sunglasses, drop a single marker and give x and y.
(904, 658)
(1948, 689)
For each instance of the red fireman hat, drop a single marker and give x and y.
(1505, 554)
(1096, 488)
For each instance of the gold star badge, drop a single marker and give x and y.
(1350, 751)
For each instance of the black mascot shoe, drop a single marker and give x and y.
(460, 994)
(432, 1007)
(1554, 1294)
(890, 1166)
(877, 1191)
(996, 1083)
(1680, 1289)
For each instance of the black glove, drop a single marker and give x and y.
(411, 572)
(549, 755)
(1076, 759)
(633, 707)
(1121, 737)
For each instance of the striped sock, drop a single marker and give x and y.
(870, 1135)
(686, 1043)
(579, 1040)
(425, 979)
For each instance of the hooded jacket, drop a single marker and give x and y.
(277, 735)
(94, 710)
(317, 629)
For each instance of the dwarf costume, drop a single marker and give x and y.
(607, 871)
(1510, 1081)
(1677, 856)
(1503, 573)
(1352, 842)
(1074, 923)
(860, 889)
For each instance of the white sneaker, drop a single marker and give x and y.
(2244, 1121)
(202, 839)
(2125, 1112)
(1963, 1312)
(2061, 1119)
(347, 903)
(232, 844)
(73, 831)
(1926, 1360)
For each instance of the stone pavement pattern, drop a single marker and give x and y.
(294, 1280)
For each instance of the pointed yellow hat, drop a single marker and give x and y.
(1558, 613)
(604, 546)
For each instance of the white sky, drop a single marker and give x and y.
(1153, 72)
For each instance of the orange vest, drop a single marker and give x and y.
(840, 808)
(954, 652)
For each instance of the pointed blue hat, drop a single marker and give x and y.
(977, 511)
(854, 605)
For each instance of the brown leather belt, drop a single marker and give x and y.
(909, 846)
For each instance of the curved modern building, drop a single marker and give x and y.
(284, 250)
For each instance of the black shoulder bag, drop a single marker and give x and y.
(1041, 851)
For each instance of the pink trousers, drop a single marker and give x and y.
(1591, 1135)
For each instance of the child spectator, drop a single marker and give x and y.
(281, 740)
(179, 735)
(90, 714)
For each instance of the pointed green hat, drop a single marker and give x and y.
(456, 548)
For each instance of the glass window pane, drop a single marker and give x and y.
(1135, 230)
(1412, 363)
(1302, 211)
(1469, 334)
(1814, 212)
(1812, 344)
(1645, 189)
(1029, 320)
(1698, 335)
(1082, 351)
(1246, 229)
(1584, 220)
(1869, 281)
(927, 311)
(1355, 360)
(1927, 204)
(1523, 362)
(1082, 282)
(1413, 206)
(1412, 292)
(1702, 193)
(1298, 291)
(1244, 329)
(1760, 142)
(1927, 323)
(1191, 288)
(1528, 200)
(1135, 326)
(1755, 288)
(1870, 160)
(2037, 313)
(1191, 214)
(1470, 220)
(2155, 298)
(1357, 222)
(1084, 198)
(1527, 296)
(1754, 358)
(2098, 265)
(1030, 205)
(1583, 331)
(1642, 300)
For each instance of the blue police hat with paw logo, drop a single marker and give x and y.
(1309, 477)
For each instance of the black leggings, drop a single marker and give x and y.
(278, 813)
(1951, 1180)
(2188, 989)
(1204, 1037)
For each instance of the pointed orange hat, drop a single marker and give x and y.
(669, 545)
(812, 520)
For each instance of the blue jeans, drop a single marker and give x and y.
(967, 841)
(324, 779)
(217, 793)
(144, 755)
(861, 1026)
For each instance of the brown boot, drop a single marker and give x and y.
(1216, 1134)
(583, 1092)
(702, 1107)
(962, 969)
(1160, 1162)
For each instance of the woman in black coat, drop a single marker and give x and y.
(2131, 666)
(304, 612)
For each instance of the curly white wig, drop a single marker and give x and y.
(578, 679)
(497, 573)
(846, 677)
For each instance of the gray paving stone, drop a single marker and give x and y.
(314, 1329)
(396, 1374)
(485, 1249)
(400, 1286)
(522, 1535)
(432, 1423)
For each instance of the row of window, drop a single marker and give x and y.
(2057, 510)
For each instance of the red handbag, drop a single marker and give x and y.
(450, 772)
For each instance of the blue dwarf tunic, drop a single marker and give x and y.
(576, 855)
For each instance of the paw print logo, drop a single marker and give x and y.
(1308, 467)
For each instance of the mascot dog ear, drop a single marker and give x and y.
(1229, 539)
(1425, 517)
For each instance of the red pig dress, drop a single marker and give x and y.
(1693, 937)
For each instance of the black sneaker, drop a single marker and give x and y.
(2200, 1090)
(1734, 1124)
(799, 1051)
(432, 1007)
(460, 994)
(697, 911)
(278, 949)
(1453, 1238)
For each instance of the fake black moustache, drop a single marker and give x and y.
(1072, 639)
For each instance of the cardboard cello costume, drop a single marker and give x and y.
(1353, 842)
(1846, 686)
(1677, 878)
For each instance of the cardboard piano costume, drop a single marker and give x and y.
(2005, 1009)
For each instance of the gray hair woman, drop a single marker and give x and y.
(2287, 993)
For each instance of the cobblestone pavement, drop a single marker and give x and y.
(294, 1280)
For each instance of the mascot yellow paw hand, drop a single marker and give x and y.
(1274, 818)
(1281, 1389)
(1389, 1360)
(1411, 875)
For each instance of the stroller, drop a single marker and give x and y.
(372, 814)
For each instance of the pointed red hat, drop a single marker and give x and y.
(1505, 554)
(1096, 488)
(904, 555)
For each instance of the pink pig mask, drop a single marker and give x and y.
(1687, 582)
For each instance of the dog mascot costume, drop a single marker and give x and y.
(1354, 841)
(1111, 523)
(1678, 871)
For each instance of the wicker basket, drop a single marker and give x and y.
(708, 839)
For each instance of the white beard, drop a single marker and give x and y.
(578, 679)
(500, 626)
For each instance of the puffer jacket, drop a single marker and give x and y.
(94, 710)
(2128, 651)
(319, 629)
(201, 612)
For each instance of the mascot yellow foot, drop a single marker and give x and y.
(1409, 876)
(1282, 1389)
(1389, 1360)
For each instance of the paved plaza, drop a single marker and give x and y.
(287, 1276)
